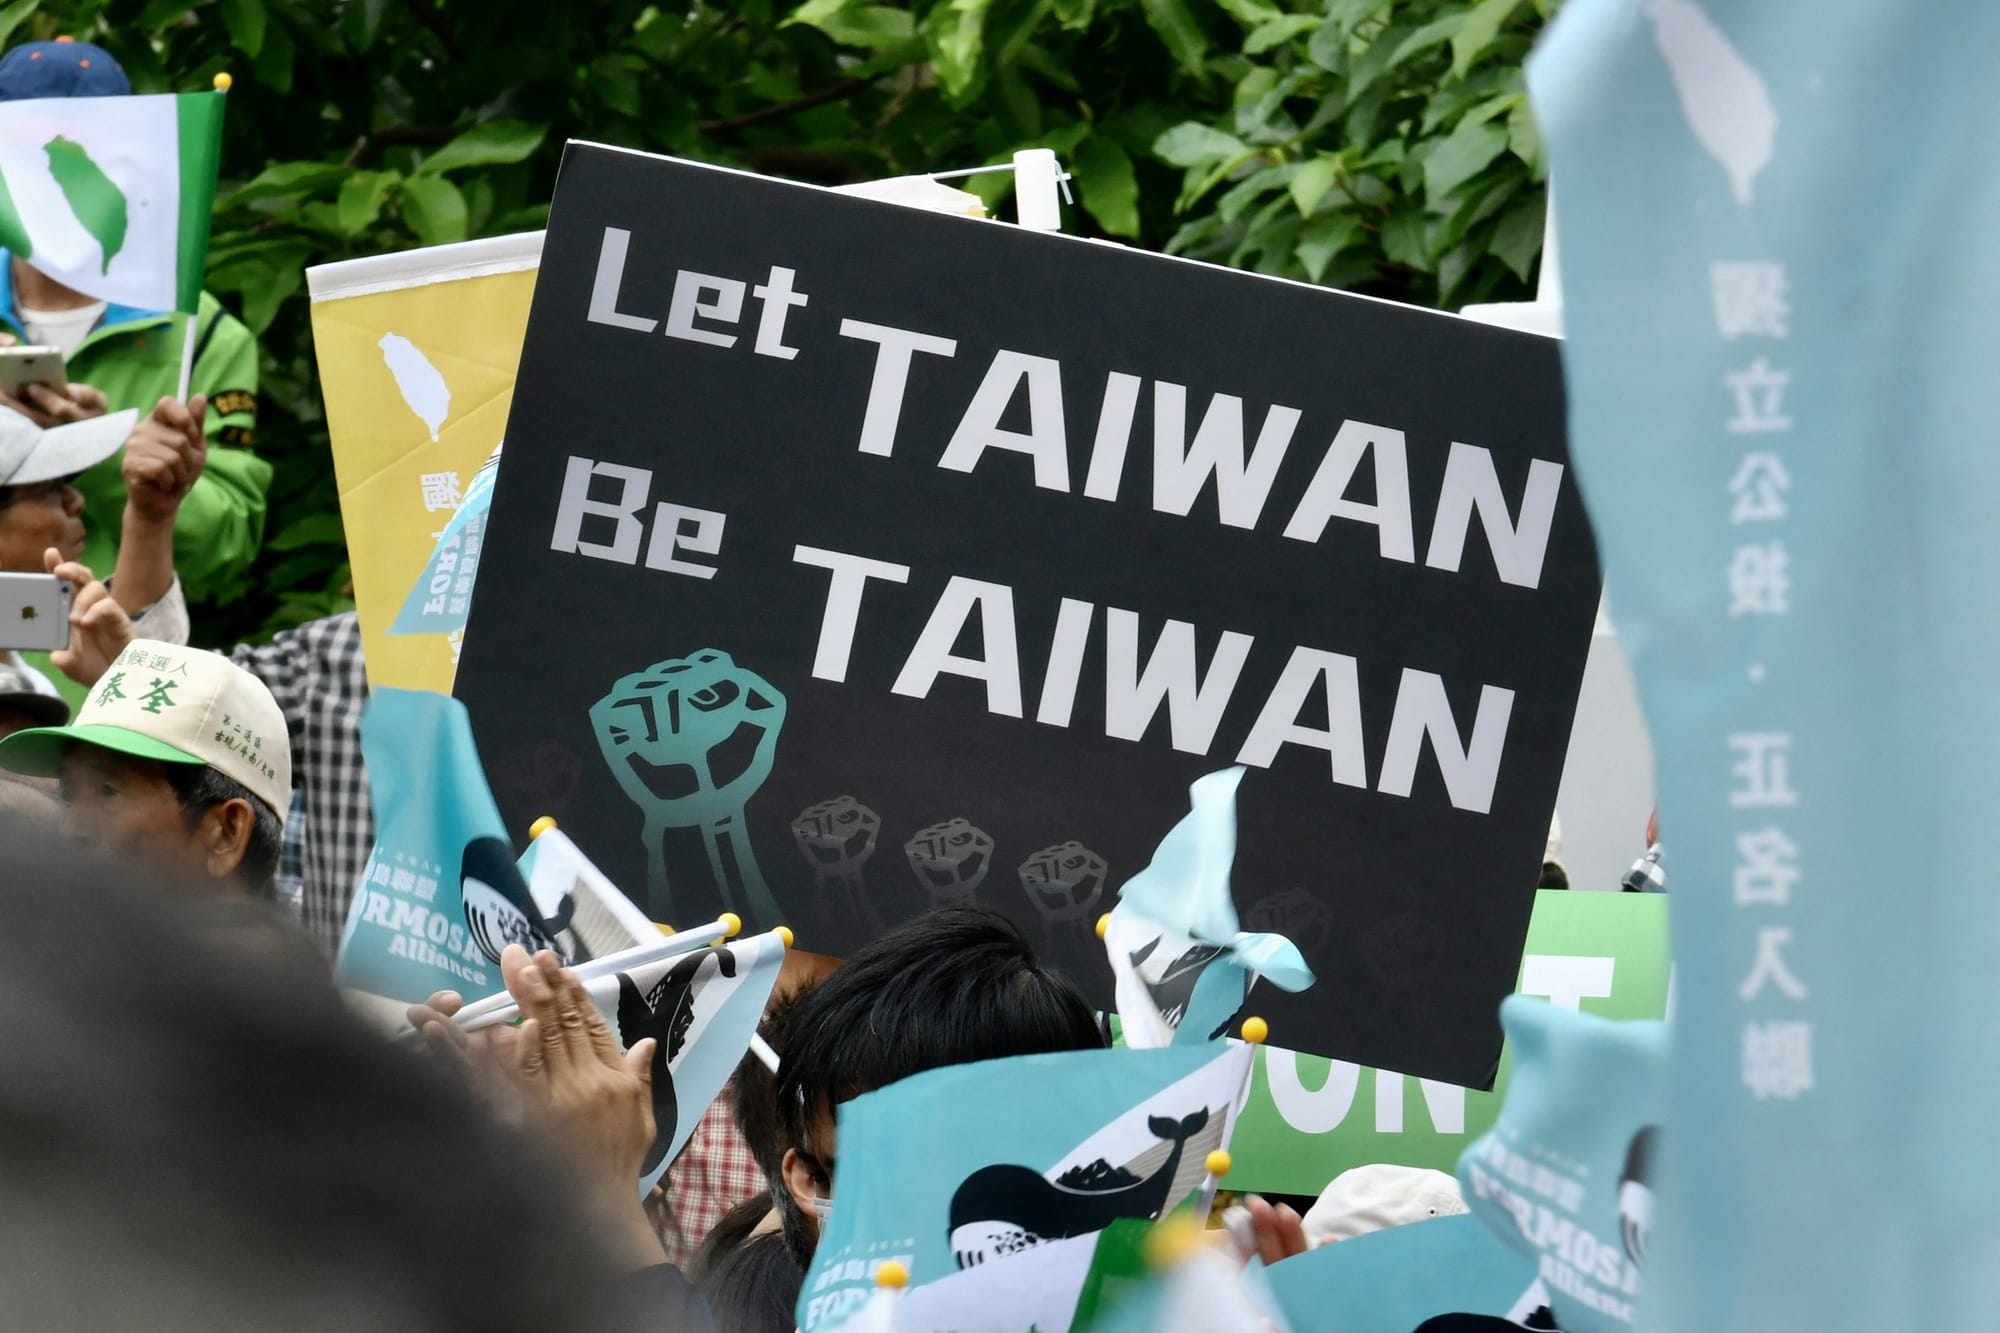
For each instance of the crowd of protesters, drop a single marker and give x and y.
(200, 1135)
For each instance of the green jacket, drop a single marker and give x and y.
(134, 357)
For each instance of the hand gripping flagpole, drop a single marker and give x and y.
(189, 317)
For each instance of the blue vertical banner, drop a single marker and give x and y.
(1780, 264)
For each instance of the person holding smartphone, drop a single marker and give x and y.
(43, 529)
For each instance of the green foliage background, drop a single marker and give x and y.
(1381, 146)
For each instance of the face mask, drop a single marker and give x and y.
(822, 1209)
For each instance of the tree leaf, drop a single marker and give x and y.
(814, 12)
(12, 16)
(1463, 154)
(1075, 13)
(1328, 47)
(434, 209)
(1250, 13)
(1108, 185)
(496, 141)
(1432, 34)
(273, 62)
(1324, 237)
(1193, 234)
(1313, 179)
(285, 178)
(1452, 268)
(1524, 138)
(1351, 14)
(1278, 31)
(957, 37)
(1518, 238)
(1476, 34)
(873, 26)
(1252, 188)
(244, 21)
(361, 21)
(1405, 241)
(1262, 119)
(1176, 27)
(1192, 143)
(361, 199)
(616, 83)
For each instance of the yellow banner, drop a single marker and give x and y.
(417, 353)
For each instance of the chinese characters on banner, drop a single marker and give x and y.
(450, 590)
(1752, 304)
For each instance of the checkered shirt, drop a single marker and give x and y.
(315, 673)
(715, 1172)
(1648, 874)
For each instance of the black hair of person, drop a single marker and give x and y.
(756, 1112)
(200, 1136)
(955, 985)
(200, 789)
(734, 1229)
(754, 1287)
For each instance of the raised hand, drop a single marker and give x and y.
(99, 629)
(165, 456)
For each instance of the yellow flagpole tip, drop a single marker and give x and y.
(785, 933)
(1103, 924)
(1218, 1163)
(222, 82)
(732, 925)
(541, 826)
(1256, 1031)
(892, 1274)
(666, 929)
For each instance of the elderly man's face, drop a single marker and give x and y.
(35, 517)
(125, 805)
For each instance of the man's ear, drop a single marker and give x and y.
(224, 836)
(799, 1184)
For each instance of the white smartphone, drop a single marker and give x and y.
(24, 364)
(34, 612)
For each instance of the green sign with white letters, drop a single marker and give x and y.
(1308, 1119)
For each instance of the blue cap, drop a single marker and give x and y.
(62, 68)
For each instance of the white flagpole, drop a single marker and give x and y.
(187, 358)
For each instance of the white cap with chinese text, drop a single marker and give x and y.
(180, 706)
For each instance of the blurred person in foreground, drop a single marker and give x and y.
(201, 1137)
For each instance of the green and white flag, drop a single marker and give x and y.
(111, 195)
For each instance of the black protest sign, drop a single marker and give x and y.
(854, 559)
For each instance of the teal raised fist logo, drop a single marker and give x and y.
(690, 742)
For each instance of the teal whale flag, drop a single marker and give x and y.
(1565, 1176)
(993, 1201)
(1783, 318)
(441, 896)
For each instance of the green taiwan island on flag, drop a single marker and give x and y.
(97, 202)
